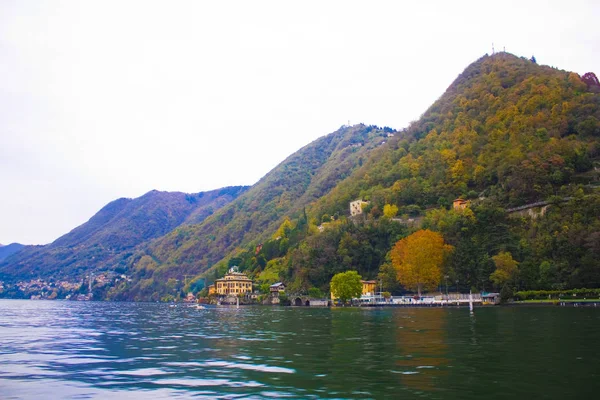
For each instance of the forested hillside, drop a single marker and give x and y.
(110, 237)
(506, 133)
(507, 128)
(298, 181)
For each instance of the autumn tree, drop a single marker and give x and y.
(418, 259)
(506, 269)
(590, 79)
(390, 210)
(284, 229)
(346, 286)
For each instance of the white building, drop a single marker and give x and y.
(356, 207)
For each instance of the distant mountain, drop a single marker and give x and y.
(8, 250)
(112, 235)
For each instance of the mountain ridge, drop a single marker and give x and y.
(116, 230)
(9, 249)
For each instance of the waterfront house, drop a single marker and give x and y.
(233, 283)
(490, 298)
(368, 287)
(277, 288)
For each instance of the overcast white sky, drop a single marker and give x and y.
(108, 99)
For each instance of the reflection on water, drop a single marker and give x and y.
(95, 350)
(422, 345)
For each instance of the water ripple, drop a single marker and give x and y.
(139, 350)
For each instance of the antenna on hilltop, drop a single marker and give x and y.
(493, 48)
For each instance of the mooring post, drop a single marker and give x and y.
(470, 302)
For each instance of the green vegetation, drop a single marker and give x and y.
(573, 294)
(346, 286)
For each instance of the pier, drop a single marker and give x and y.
(441, 300)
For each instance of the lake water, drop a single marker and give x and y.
(78, 350)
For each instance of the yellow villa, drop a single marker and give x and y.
(368, 287)
(233, 283)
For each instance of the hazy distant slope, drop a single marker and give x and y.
(113, 234)
(10, 249)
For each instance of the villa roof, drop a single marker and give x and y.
(234, 276)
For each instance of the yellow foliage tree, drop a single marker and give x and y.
(284, 229)
(506, 269)
(390, 210)
(418, 259)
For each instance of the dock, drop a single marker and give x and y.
(441, 300)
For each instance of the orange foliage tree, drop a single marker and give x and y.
(418, 259)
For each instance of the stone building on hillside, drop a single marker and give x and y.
(356, 207)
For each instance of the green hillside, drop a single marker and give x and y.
(506, 128)
(506, 133)
(298, 181)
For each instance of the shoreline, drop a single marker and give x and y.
(540, 303)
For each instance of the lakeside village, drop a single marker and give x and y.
(40, 289)
(236, 288)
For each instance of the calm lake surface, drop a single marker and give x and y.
(58, 349)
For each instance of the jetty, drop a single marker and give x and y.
(440, 300)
